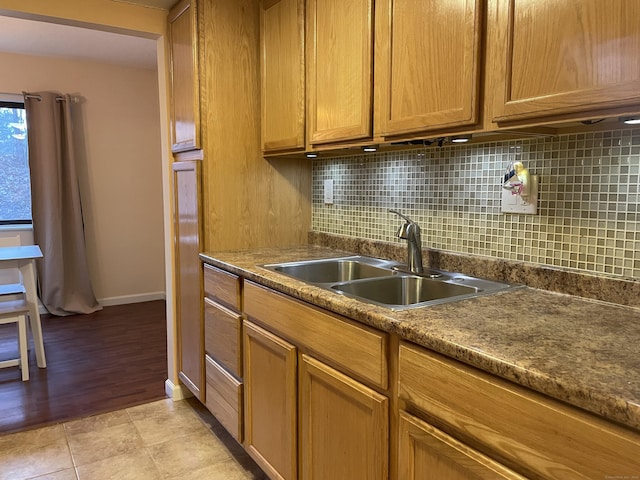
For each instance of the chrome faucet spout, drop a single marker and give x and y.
(410, 231)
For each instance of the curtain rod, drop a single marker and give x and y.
(58, 98)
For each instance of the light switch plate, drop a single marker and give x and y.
(517, 204)
(328, 191)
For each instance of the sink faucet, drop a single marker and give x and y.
(410, 231)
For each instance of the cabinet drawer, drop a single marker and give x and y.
(357, 349)
(222, 286)
(529, 432)
(222, 336)
(224, 398)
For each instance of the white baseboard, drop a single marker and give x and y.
(176, 392)
(125, 299)
(122, 300)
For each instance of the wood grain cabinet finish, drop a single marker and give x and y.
(282, 75)
(344, 426)
(339, 70)
(223, 347)
(428, 72)
(525, 431)
(185, 96)
(426, 452)
(358, 350)
(337, 426)
(223, 287)
(224, 397)
(566, 57)
(187, 225)
(222, 336)
(270, 366)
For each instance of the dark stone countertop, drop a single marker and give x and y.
(583, 352)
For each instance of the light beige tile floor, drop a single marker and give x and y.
(163, 440)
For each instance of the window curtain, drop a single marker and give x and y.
(58, 227)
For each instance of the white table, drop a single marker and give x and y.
(24, 257)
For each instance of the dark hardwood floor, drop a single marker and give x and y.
(104, 361)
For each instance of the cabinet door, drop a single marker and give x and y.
(185, 98)
(425, 452)
(343, 426)
(339, 70)
(559, 57)
(427, 64)
(187, 226)
(282, 62)
(270, 402)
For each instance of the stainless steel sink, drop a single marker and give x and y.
(384, 283)
(400, 291)
(335, 269)
(407, 291)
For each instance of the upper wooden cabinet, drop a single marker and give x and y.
(185, 98)
(339, 70)
(565, 58)
(427, 56)
(282, 64)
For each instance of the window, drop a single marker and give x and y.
(15, 184)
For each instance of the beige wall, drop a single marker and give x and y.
(121, 181)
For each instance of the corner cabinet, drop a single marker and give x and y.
(565, 58)
(185, 97)
(188, 277)
(282, 75)
(428, 72)
(339, 70)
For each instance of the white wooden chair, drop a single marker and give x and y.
(11, 282)
(13, 307)
(15, 311)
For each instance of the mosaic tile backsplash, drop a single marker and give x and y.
(588, 200)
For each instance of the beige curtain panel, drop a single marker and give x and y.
(58, 227)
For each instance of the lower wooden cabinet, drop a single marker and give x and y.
(270, 402)
(527, 432)
(316, 396)
(344, 426)
(305, 419)
(424, 452)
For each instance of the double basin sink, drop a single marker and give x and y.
(385, 283)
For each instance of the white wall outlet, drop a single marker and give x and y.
(522, 204)
(328, 191)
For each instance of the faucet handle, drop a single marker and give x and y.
(406, 219)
